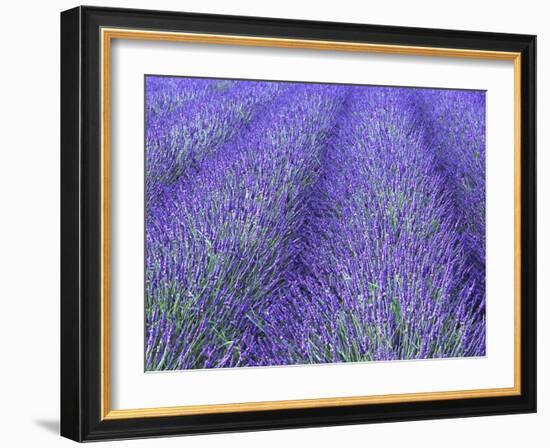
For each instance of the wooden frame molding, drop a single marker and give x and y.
(86, 399)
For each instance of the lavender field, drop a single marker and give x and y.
(291, 223)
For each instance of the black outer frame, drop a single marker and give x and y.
(80, 224)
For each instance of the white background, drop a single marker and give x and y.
(29, 233)
(132, 388)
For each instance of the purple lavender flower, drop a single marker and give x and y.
(296, 223)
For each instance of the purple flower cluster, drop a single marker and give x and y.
(293, 223)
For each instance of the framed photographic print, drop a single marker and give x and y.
(273, 223)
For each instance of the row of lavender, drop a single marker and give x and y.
(293, 223)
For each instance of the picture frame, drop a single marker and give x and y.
(87, 209)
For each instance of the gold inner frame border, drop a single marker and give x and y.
(107, 35)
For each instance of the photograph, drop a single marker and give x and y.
(281, 224)
(306, 223)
